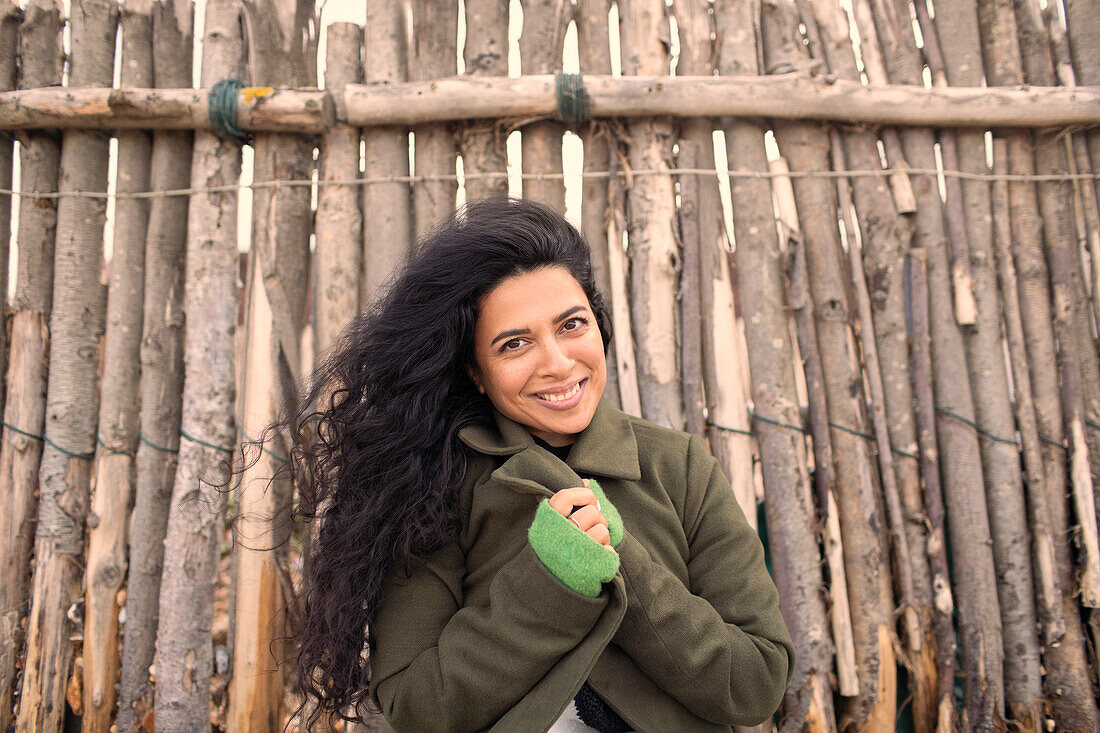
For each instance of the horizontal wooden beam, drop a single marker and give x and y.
(783, 96)
(259, 109)
(263, 109)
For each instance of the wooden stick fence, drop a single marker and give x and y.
(894, 349)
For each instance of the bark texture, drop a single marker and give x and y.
(196, 521)
(540, 49)
(967, 516)
(791, 97)
(432, 55)
(653, 250)
(24, 409)
(161, 356)
(1048, 589)
(338, 254)
(802, 308)
(961, 38)
(943, 602)
(72, 395)
(796, 560)
(806, 147)
(885, 236)
(595, 58)
(1083, 28)
(700, 227)
(280, 43)
(387, 206)
(112, 494)
(1068, 680)
(723, 368)
(482, 143)
(263, 109)
(10, 17)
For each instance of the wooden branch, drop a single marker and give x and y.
(1067, 665)
(120, 383)
(594, 46)
(920, 339)
(651, 208)
(72, 397)
(161, 370)
(540, 49)
(626, 366)
(801, 305)
(259, 109)
(387, 206)
(25, 405)
(184, 655)
(1050, 594)
(483, 144)
(788, 96)
(433, 55)
(275, 315)
(887, 470)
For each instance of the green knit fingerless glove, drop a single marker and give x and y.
(573, 557)
(614, 521)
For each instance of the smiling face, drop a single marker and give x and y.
(539, 353)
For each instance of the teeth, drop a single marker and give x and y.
(562, 396)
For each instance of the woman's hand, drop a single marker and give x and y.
(580, 506)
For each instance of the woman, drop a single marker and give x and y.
(524, 556)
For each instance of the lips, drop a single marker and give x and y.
(563, 399)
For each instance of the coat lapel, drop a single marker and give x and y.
(606, 448)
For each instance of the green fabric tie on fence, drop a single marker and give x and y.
(222, 110)
(572, 99)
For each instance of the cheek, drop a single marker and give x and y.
(506, 381)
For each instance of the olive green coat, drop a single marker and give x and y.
(687, 637)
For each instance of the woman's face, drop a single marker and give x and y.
(539, 353)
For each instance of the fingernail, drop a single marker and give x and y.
(598, 506)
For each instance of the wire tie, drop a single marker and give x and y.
(971, 423)
(222, 110)
(723, 428)
(55, 446)
(110, 450)
(9, 426)
(777, 423)
(572, 99)
(153, 445)
(193, 439)
(276, 456)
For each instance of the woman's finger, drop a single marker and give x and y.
(564, 501)
(600, 533)
(587, 517)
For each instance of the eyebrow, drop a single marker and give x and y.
(521, 331)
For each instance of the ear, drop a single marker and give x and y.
(472, 371)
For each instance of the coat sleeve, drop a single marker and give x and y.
(440, 665)
(720, 646)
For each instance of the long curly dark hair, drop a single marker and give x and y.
(375, 454)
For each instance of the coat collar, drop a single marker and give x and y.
(607, 447)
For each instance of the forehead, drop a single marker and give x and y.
(520, 300)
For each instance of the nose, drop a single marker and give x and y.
(556, 360)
